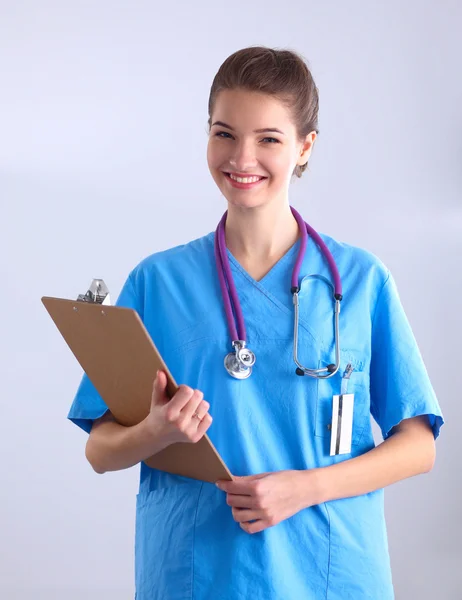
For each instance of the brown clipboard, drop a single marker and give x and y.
(117, 353)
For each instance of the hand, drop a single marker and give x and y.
(183, 418)
(264, 500)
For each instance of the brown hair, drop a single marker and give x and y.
(280, 73)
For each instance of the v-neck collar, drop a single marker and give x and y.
(266, 285)
(293, 250)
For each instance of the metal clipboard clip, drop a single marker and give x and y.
(98, 293)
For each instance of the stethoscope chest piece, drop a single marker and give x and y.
(240, 362)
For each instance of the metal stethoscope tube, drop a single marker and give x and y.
(330, 369)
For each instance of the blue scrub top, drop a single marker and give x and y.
(187, 544)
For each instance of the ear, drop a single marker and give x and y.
(306, 148)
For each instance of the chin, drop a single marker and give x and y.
(246, 203)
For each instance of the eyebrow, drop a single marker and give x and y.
(265, 130)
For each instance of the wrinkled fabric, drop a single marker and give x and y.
(187, 545)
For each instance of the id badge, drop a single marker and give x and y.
(342, 417)
(342, 424)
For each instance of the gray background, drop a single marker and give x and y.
(103, 110)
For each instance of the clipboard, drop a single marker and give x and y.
(117, 353)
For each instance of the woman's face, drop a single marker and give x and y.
(236, 147)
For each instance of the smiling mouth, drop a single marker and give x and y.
(246, 179)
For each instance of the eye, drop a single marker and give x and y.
(225, 133)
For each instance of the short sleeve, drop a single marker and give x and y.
(400, 385)
(88, 405)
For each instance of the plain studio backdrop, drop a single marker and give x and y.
(103, 116)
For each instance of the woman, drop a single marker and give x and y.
(304, 518)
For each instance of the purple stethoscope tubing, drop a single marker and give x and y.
(231, 300)
(306, 230)
(224, 270)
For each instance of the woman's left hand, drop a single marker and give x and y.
(268, 498)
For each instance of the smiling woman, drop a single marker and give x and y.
(245, 151)
(269, 74)
(295, 439)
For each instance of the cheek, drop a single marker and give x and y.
(280, 165)
(215, 155)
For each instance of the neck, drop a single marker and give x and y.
(260, 235)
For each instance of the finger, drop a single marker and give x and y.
(193, 405)
(238, 486)
(256, 526)
(203, 425)
(239, 501)
(254, 477)
(179, 401)
(201, 411)
(243, 515)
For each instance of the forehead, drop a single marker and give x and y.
(243, 110)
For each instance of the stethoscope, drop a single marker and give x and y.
(239, 363)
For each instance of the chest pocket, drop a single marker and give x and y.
(358, 385)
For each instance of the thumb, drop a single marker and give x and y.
(159, 387)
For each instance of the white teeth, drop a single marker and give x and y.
(245, 179)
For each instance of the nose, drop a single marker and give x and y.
(243, 157)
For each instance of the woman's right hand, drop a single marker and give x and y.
(183, 418)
